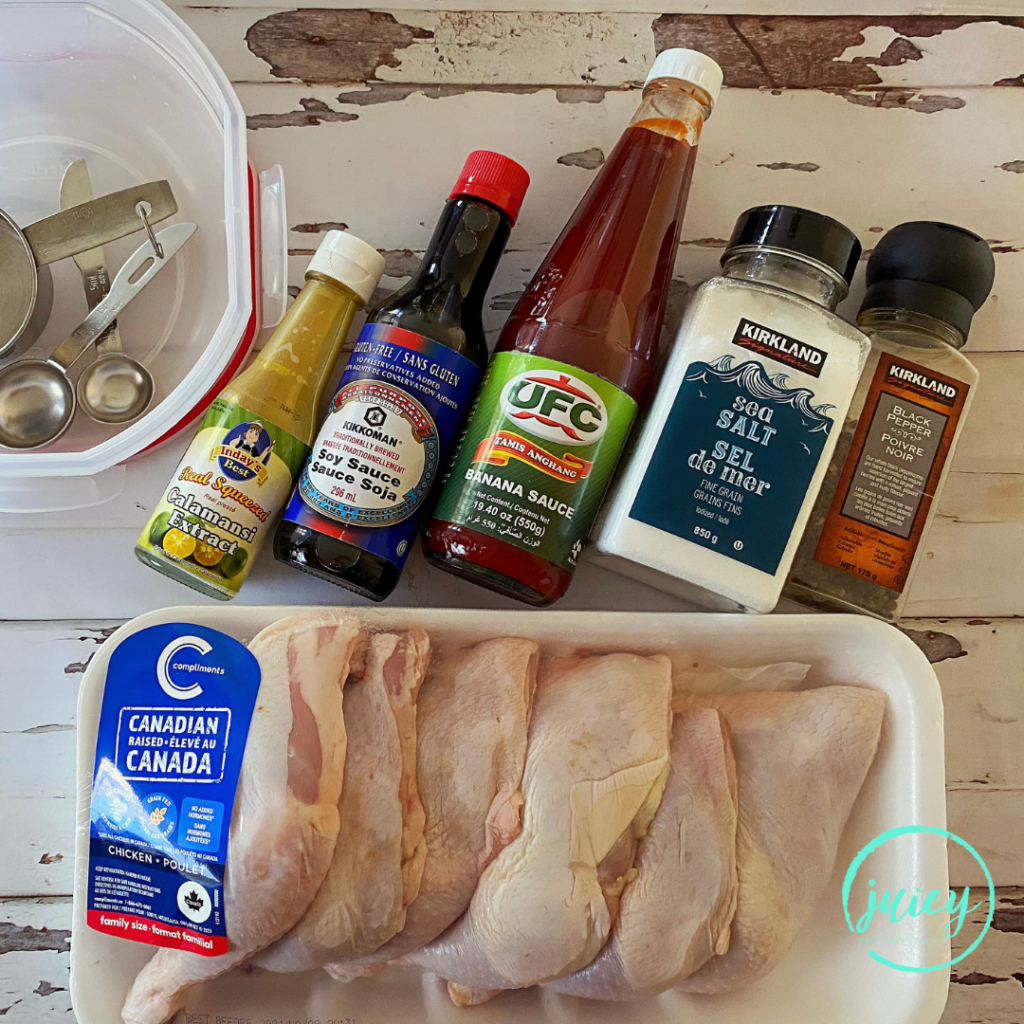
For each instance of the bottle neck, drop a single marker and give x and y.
(286, 380)
(444, 300)
(790, 272)
(673, 108)
(908, 327)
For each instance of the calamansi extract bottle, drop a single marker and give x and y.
(235, 477)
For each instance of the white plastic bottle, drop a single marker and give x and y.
(715, 497)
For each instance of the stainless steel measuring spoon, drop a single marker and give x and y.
(83, 227)
(37, 401)
(114, 388)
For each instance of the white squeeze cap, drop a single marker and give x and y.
(688, 66)
(350, 261)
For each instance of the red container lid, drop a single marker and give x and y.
(495, 178)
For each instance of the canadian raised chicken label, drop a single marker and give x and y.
(225, 496)
(537, 456)
(734, 461)
(176, 709)
(391, 426)
(892, 472)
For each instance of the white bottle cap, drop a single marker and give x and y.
(350, 261)
(688, 66)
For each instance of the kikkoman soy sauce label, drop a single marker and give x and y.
(225, 495)
(537, 456)
(387, 436)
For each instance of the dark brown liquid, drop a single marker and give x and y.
(597, 303)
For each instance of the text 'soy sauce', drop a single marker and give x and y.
(576, 357)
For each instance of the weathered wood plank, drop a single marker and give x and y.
(482, 49)
(980, 665)
(40, 669)
(987, 986)
(956, 8)
(745, 158)
(34, 961)
(973, 553)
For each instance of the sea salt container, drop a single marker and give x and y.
(719, 487)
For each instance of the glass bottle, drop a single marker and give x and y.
(925, 280)
(723, 477)
(237, 473)
(576, 357)
(404, 396)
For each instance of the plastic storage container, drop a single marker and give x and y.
(827, 976)
(126, 85)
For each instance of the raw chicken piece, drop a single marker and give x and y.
(801, 759)
(378, 859)
(285, 819)
(595, 770)
(472, 722)
(675, 913)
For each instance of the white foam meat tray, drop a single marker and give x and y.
(826, 978)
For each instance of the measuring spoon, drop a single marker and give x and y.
(83, 227)
(37, 401)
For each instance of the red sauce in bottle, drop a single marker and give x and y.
(596, 305)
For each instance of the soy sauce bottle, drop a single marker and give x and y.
(404, 396)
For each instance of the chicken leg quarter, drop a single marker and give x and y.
(801, 759)
(378, 859)
(596, 763)
(472, 721)
(285, 819)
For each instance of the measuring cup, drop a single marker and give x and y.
(37, 401)
(83, 227)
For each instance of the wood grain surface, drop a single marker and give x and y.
(875, 118)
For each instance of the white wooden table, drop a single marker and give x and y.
(873, 119)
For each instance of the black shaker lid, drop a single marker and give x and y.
(928, 267)
(804, 232)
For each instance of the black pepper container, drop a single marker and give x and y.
(404, 396)
(865, 538)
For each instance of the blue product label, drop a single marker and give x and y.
(400, 405)
(734, 461)
(176, 710)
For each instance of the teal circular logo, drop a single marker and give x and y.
(893, 833)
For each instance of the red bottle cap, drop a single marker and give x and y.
(493, 177)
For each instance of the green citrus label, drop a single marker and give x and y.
(537, 456)
(225, 496)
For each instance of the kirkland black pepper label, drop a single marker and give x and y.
(797, 355)
(734, 461)
(537, 456)
(892, 472)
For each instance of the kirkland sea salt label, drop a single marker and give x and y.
(734, 461)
